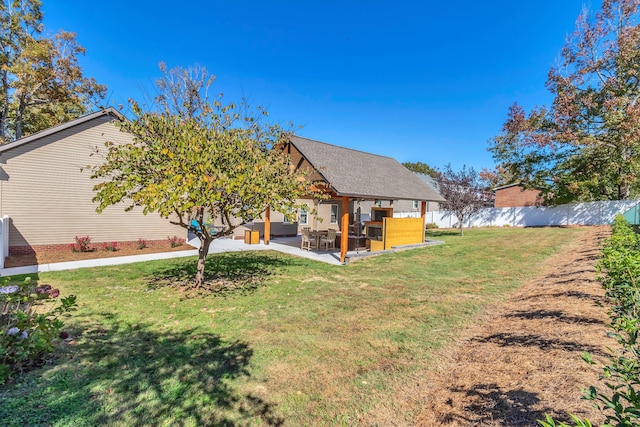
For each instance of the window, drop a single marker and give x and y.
(379, 203)
(304, 216)
(415, 204)
(334, 214)
(285, 220)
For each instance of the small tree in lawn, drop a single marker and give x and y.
(208, 160)
(463, 192)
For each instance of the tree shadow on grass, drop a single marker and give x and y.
(507, 339)
(555, 315)
(491, 405)
(122, 374)
(225, 274)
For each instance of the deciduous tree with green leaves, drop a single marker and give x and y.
(586, 145)
(41, 82)
(212, 160)
(492, 178)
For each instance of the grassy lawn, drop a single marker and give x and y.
(286, 341)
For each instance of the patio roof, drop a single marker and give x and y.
(353, 173)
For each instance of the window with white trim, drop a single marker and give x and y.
(415, 204)
(285, 220)
(304, 216)
(334, 214)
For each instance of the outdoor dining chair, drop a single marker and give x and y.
(308, 241)
(328, 240)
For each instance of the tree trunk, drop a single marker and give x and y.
(19, 118)
(4, 115)
(624, 192)
(460, 225)
(202, 258)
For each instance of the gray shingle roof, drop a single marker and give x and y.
(358, 174)
(429, 180)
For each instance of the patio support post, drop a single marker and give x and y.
(424, 217)
(267, 225)
(344, 237)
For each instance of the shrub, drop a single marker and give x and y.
(431, 225)
(30, 321)
(175, 241)
(110, 247)
(81, 244)
(142, 243)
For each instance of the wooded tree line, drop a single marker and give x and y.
(41, 82)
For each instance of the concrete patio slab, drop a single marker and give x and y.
(288, 245)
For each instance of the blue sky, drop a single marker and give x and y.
(416, 80)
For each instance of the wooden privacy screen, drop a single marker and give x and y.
(402, 231)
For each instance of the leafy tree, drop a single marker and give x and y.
(216, 162)
(183, 91)
(421, 168)
(586, 145)
(41, 83)
(495, 178)
(463, 192)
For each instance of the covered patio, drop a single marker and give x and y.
(350, 177)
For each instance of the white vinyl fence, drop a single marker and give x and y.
(406, 214)
(588, 213)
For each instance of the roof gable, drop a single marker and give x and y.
(59, 128)
(358, 174)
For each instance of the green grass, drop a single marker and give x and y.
(284, 340)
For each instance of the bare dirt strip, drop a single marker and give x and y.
(521, 359)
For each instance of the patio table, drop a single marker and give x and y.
(317, 234)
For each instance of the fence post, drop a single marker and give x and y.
(2, 252)
(4, 239)
(5, 234)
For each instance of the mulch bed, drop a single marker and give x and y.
(68, 255)
(521, 359)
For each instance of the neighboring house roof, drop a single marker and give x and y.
(429, 180)
(355, 173)
(60, 127)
